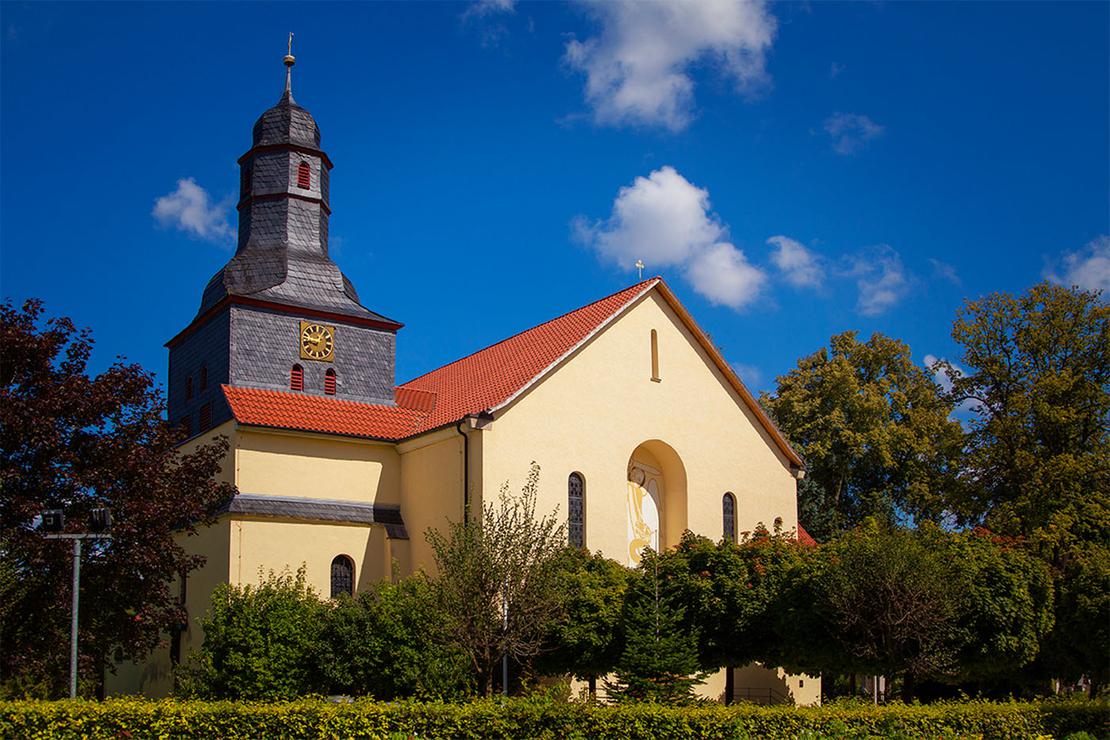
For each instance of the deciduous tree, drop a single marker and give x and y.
(874, 430)
(74, 442)
(496, 580)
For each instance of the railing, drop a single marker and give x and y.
(760, 695)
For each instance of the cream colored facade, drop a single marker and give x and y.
(601, 411)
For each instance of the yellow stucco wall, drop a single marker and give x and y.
(593, 411)
(316, 466)
(431, 490)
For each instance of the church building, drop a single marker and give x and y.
(640, 427)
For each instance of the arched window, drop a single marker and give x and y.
(189, 388)
(728, 512)
(304, 175)
(329, 382)
(203, 377)
(654, 356)
(296, 378)
(576, 510)
(342, 576)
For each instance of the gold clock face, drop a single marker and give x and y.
(317, 341)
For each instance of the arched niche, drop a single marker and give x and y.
(656, 498)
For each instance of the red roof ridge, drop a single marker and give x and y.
(643, 283)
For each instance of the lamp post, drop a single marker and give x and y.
(53, 522)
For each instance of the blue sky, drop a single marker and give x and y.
(792, 170)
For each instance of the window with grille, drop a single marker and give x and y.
(576, 510)
(342, 576)
(189, 388)
(728, 511)
(329, 382)
(203, 377)
(205, 416)
(304, 175)
(296, 378)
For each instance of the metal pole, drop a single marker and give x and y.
(73, 623)
(505, 657)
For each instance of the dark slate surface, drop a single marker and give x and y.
(265, 345)
(327, 510)
(282, 258)
(205, 346)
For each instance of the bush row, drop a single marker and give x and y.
(532, 718)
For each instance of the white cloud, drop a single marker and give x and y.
(637, 67)
(880, 278)
(850, 132)
(1088, 268)
(190, 209)
(944, 377)
(799, 266)
(750, 374)
(945, 270)
(723, 274)
(481, 8)
(666, 221)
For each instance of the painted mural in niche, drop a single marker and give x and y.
(643, 513)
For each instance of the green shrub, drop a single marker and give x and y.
(542, 718)
(260, 642)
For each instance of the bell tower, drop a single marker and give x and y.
(281, 314)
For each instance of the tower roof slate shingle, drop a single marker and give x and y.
(482, 381)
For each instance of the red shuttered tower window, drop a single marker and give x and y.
(304, 175)
(329, 382)
(296, 378)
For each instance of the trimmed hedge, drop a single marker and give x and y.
(532, 718)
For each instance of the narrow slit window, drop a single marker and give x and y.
(189, 388)
(728, 512)
(654, 356)
(329, 382)
(304, 175)
(342, 576)
(203, 377)
(296, 378)
(576, 510)
(205, 416)
(244, 181)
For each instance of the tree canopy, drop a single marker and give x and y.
(74, 442)
(874, 429)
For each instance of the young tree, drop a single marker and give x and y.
(385, 643)
(73, 442)
(260, 642)
(497, 582)
(1036, 369)
(660, 657)
(587, 640)
(874, 430)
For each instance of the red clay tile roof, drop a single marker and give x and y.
(491, 376)
(804, 537)
(475, 383)
(479, 382)
(285, 410)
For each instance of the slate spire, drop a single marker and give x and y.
(282, 254)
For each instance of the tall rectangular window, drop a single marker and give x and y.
(576, 511)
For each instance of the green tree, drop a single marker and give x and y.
(587, 640)
(75, 442)
(387, 643)
(497, 580)
(660, 657)
(260, 642)
(1004, 606)
(875, 432)
(1036, 370)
